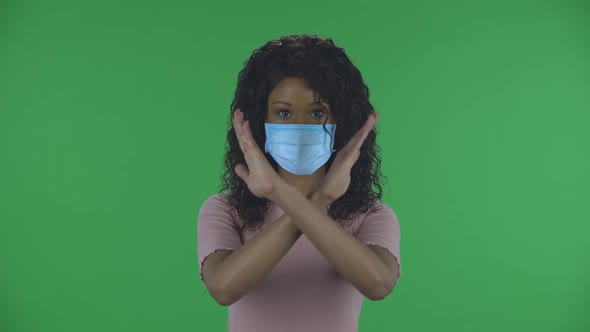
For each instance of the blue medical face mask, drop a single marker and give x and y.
(299, 148)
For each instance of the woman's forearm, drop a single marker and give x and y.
(355, 261)
(246, 267)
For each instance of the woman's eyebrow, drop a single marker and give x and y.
(286, 103)
(281, 102)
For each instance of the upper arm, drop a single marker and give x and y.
(380, 231)
(389, 260)
(217, 238)
(209, 268)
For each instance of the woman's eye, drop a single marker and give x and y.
(283, 113)
(318, 113)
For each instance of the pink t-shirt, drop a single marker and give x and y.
(303, 292)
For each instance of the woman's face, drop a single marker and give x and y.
(293, 102)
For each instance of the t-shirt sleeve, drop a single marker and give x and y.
(216, 229)
(382, 228)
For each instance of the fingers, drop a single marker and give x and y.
(371, 121)
(243, 133)
(247, 134)
(361, 135)
(238, 120)
(242, 172)
(244, 136)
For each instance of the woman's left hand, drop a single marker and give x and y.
(262, 180)
(336, 181)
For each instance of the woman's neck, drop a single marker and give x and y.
(305, 184)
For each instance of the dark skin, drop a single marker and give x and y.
(229, 275)
(293, 102)
(370, 268)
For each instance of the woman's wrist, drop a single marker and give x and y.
(318, 199)
(280, 190)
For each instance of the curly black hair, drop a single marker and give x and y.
(331, 75)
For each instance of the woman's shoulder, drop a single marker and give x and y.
(217, 202)
(378, 210)
(377, 207)
(217, 198)
(381, 207)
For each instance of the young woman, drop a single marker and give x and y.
(297, 235)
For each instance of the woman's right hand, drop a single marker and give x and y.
(262, 180)
(336, 181)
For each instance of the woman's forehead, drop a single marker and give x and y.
(294, 91)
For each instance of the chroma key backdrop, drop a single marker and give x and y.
(113, 121)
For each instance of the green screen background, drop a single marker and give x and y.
(112, 125)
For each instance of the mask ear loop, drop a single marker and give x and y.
(327, 131)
